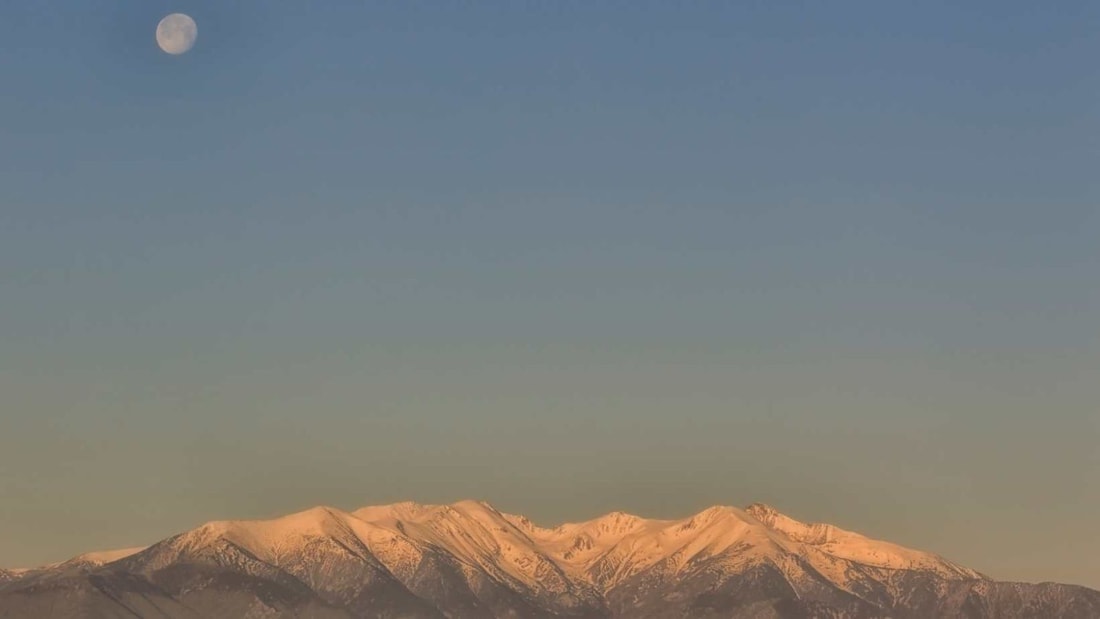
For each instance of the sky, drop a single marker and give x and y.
(567, 257)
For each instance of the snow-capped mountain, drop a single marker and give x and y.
(96, 559)
(469, 560)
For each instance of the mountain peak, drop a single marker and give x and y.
(815, 533)
(761, 510)
(466, 559)
(104, 557)
(616, 522)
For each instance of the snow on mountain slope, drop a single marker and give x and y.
(596, 553)
(272, 539)
(600, 552)
(311, 559)
(467, 549)
(480, 537)
(846, 545)
(615, 547)
(87, 560)
(103, 557)
(311, 544)
(576, 544)
(470, 560)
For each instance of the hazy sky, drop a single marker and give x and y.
(568, 257)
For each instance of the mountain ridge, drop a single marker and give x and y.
(469, 559)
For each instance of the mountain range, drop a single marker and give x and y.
(469, 560)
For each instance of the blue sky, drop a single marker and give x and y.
(566, 257)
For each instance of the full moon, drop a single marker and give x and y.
(176, 33)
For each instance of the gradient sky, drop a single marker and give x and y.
(568, 257)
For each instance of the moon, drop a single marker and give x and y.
(176, 34)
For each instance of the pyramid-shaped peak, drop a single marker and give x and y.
(706, 518)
